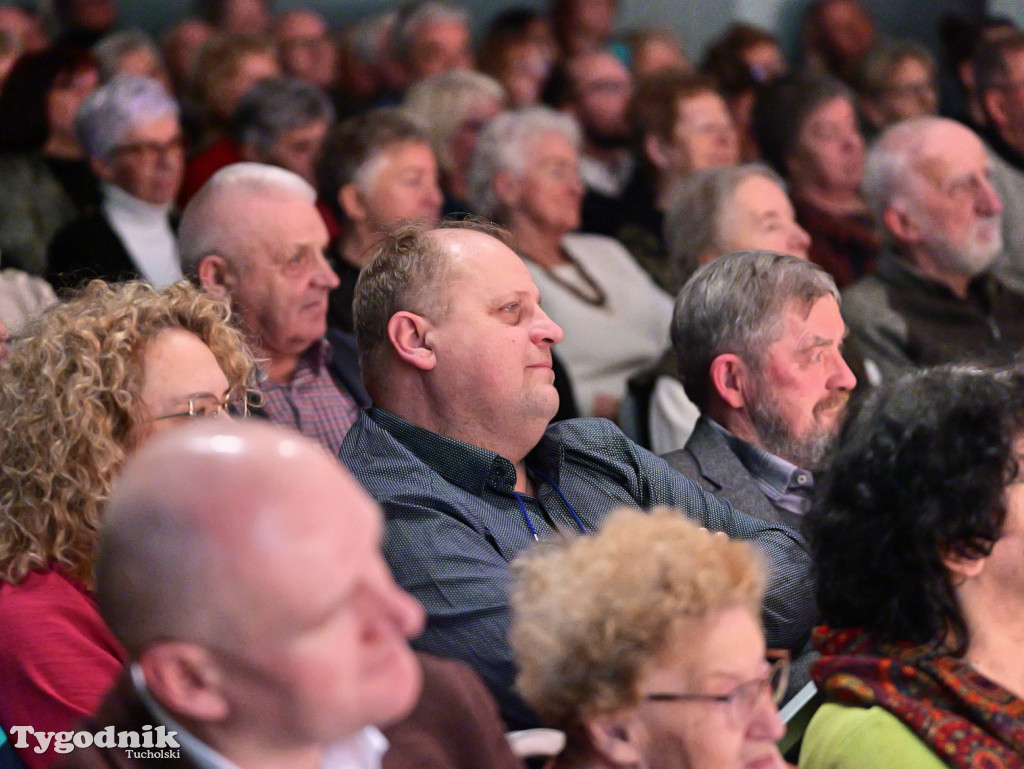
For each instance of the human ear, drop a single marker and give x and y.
(507, 188)
(216, 276)
(900, 223)
(617, 737)
(408, 334)
(351, 201)
(101, 168)
(963, 567)
(728, 374)
(656, 152)
(185, 679)
(994, 103)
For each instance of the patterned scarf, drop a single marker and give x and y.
(966, 719)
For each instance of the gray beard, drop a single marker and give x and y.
(807, 452)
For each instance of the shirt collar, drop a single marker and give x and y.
(118, 199)
(313, 360)
(468, 467)
(363, 750)
(775, 471)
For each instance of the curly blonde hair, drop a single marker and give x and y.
(69, 400)
(590, 613)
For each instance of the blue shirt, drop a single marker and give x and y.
(454, 523)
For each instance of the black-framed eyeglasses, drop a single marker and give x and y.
(743, 700)
(235, 403)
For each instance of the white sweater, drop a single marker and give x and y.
(604, 346)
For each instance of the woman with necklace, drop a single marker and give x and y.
(525, 174)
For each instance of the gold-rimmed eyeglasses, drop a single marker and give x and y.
(207, 405)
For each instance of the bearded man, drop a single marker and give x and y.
(759, 339)
(934, 297)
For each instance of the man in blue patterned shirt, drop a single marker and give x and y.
(456, 353)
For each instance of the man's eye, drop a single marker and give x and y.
(511, 307)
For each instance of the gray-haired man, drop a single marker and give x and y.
(253, 235)
(758, 336)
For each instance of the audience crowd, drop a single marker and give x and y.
(571, 383)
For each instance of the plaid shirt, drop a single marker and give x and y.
(312, 403)
(454, 523)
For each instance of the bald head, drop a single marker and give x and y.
(928, 180)
(902, 149)
(409, 270)
(209, 511)
(245, 559)
(214, 221)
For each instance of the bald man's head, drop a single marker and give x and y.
(245, 549)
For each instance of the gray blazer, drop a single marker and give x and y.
(707, 459)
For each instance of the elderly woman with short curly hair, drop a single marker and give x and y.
(86, 383)
(644, 645)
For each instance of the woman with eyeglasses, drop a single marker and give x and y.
(918, 545)
(643, 644)
(82, 387)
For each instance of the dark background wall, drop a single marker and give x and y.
(697, 21)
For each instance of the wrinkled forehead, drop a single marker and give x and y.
(756, 195)
(946, 152)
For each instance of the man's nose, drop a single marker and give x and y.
(842, 377)
(546, 331)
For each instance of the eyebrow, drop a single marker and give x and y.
(516, 294)
(819, 341)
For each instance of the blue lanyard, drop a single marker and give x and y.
(526, 515)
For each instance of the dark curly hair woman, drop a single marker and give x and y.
(918, 543)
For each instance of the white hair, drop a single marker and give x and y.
(110, 112)
(440, 103)
(203, 230)
(503, 146)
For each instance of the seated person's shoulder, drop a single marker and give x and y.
(48, 607)
(589, 433)
(846, 737)
(864, 297)
(455, 723)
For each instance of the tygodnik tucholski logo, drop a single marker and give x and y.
(149, 743)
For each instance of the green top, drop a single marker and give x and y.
(844, 737)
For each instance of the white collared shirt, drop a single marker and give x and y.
(363, 750)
